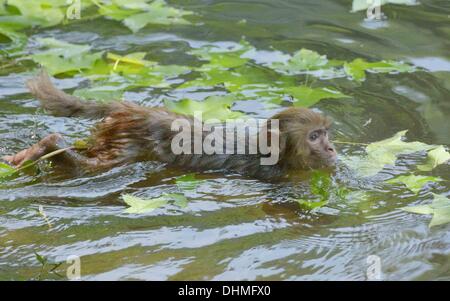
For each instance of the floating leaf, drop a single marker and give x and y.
(301, 61)
(187, 182)
(389, 148)
(101, 93)
(311, 205)
(440, 208)
(219, 58)
(239, 79)
(136, 58)
(139, 205)
(213, 107)
(6, 170)
(358, 67)
(413, 182)
(41, 12)
(306, 96)
(158, 12)
(382, 153)
(129, 71)
(61, 57)
(178, 199)
(436, 157)
(18, 40)
(320, 184)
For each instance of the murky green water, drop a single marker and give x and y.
(236, 228)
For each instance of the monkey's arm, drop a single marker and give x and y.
(50, 144)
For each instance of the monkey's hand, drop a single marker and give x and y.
(35, 152)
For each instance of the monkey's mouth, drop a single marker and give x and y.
(327, 161)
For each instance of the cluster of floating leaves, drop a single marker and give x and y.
(243, 79)
(19, 15)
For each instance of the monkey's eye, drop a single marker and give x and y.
(313, 136)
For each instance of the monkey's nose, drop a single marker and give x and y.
(331, 149)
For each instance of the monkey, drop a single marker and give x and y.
(130, 133)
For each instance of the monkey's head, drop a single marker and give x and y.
(304, 139)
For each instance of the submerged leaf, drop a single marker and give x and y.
(440, 208)
(413, 182)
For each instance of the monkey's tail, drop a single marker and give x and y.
(58, 103)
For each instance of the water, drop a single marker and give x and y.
(234, 227)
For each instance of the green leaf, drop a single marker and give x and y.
(212, 77)
(168, 71)
(213, 107)
(101, 93)
(440, 208)
(41, 12)
(6, 170)
(136, 58)
(41, 259)
(413, 182)
(382, 153)
(158, 13)
(305, 96)
(436, 157)
(311, 205)
(61, 57)
(358, 67)
(18, 40)
(138, 205)
(301, 61)
(219, 58)
(320, 184)
(187, 182)
(178, 199)
(387, 150)
(125, 72)
(81, 144)
(239, 79)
